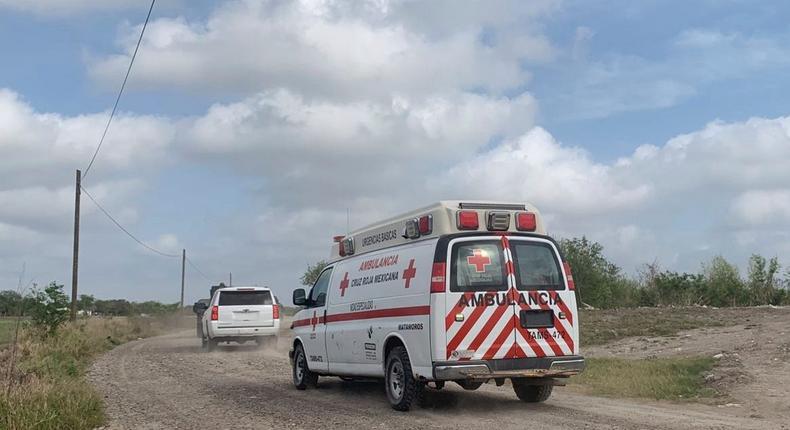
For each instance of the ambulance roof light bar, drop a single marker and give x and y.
(492, 206)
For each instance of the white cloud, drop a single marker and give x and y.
(661, 202)
(309, 151)
(332, 50)
(537, 168)
(44, 148)
(763, 207)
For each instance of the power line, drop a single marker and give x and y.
(199, 271)
(117, 224)
(123, 85)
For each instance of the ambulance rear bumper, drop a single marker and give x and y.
(531, 367)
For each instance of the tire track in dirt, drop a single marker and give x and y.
(168, 382)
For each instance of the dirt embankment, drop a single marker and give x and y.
(168, 382)
(752, 353)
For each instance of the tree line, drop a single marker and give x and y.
(12, 303)
(602, 284)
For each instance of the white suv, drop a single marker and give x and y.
(241, 314)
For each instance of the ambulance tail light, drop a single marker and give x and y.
(276, 312)
(467, 220)
(567, 268)
(426, 224)
(214, 313)
(438, 277)
(526, 221)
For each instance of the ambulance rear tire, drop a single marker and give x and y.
(401, 386)
(531, 393)
(302, 376)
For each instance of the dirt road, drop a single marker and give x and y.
(168, 382)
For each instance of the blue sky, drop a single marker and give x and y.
(249, 128)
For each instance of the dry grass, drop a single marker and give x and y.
(47, 388)
(662, 379)
(602, 326)
(7, 326)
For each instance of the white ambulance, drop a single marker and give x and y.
(468, 292)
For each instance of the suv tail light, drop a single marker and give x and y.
(276, 312)
(567, 268)
(526, 221)
(467, 220)
(438, 277)
(214, 313)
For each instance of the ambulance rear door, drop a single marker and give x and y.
(480, 315)
(547, 323)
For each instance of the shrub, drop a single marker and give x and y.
(50, 308)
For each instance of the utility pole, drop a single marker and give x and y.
(230, 279)
(183, 263)
(76, 254)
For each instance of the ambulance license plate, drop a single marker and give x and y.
(536, 318)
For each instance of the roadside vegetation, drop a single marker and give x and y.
(602, 284)
(44, 373)
(660, 379)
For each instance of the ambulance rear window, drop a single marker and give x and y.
(537, 267)
(478, 266)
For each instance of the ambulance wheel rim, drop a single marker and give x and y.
(300, 365)
(397, 380)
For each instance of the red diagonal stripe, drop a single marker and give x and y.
(563, 307)
(552, 343)
(468, 324)
(450, 318)
(518, 351)
(531, 342)
(506, 331)
(486, 330)
(550, 339)
(565, 335)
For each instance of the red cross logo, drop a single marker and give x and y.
(344, 285)
(409, 273)
(479, 259)
(314, 320)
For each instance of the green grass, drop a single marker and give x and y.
(48, 389)
(661, 379)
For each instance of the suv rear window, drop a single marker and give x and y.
(245, 298)
(537, 267)
(478, 266)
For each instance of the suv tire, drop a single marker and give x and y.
(531, 393)
(401, 386)
(302, 376)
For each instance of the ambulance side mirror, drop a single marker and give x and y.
(299, 298)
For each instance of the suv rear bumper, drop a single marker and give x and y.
(530, 367)
(241, 332)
